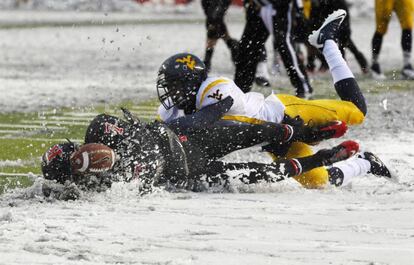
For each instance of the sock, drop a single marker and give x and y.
(376, 47)
(207, 57)
(407, 58)
(261, 70)
(375, 58)
(406, 43)
(349, 169)
(348, 90)
(337, 65)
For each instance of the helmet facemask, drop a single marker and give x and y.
(179, 78)
(180, 92)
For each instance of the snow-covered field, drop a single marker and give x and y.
(370, 222)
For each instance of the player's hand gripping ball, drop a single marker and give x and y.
(93, 159)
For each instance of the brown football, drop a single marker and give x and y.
(92, 158)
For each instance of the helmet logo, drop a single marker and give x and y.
(53, 153)
(113, 129)
(188, 60)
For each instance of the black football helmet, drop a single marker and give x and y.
(179, 79)
(56, 162)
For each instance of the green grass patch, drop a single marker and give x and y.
(24, 137)
(7, 183)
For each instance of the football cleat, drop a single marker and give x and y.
(376, 72)
(304, 95)
(262, 75)
(339, 153)
(378, 168)
(328, 30)
(262, 81)
(408, 72)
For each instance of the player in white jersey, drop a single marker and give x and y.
(184, 88)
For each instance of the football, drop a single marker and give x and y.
(92, 158)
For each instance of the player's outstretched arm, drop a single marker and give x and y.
(202, 118)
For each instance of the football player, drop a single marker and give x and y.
(217, 29)
(319, 10)
(265, 18)
(184, 88)
(405, 13)
(177, 155)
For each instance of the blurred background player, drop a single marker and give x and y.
(262, 77)
(405, 13)
(262, 19)
(319, 10)
(217, 29)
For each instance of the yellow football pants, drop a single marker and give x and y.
(403, 8)
(317, 112)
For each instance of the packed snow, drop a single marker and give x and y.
(369, 222)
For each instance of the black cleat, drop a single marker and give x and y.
(376, 72)
(328, 30)
(378, 168)
(262, 81)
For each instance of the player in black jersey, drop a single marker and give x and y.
(180, 156)
(215, 11)
(264, 18)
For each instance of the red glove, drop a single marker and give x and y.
(333, 129)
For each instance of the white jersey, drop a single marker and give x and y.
(251, 107)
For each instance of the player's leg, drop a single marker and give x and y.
(262, 74)
(342, 173)
(282, 27)
(231, 43)
(405, 13)
(212, 37)
(383, 10)
(359, 56)
(250, 49)
(216, 28)
(286, 168)
(317, 177)
(344, 81)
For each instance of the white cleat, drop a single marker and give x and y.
(328, 30)
(408, 72)
(376, 72)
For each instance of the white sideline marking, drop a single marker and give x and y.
(144, 108)
(41, 139)
(12, 131)
(145, 112)
(28, 126)
(62, 118)
(55, 122)
(15, 174)
(81, 114)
